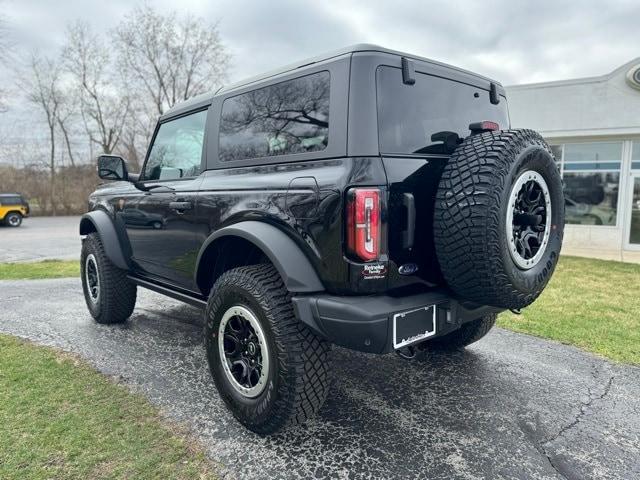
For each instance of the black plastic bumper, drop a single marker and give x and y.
(365, 323)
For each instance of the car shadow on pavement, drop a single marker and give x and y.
(383, 413)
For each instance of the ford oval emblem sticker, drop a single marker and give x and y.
(408, 269)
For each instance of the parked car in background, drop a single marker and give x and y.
(13, 208)
(585, 214)
(135, 217)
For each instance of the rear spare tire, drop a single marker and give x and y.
(499, 218)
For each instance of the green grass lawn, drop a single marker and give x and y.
(593, 304)
(44, 269)
(61, 419)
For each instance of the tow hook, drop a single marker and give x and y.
(516, 311)
(407, 353)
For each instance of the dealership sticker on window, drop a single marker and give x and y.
(373, 271)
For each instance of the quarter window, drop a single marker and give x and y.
(177, 149)
(591, 173)
(286, 118)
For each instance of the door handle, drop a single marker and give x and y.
(180, 207)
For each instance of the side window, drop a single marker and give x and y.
(10, 200)
(289, 117)
(177, 149)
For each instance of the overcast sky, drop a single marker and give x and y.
(509, 40)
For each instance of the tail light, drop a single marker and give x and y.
(484, 126)
(363, 223)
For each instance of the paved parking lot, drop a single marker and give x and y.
(40, 238)
(512, 406)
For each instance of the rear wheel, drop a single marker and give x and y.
(270, 369)
(109, 294)
(13, 219)
(499, 218)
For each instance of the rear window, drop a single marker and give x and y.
(281, 119)
(11, 200)
(408, 115)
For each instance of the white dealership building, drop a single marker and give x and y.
(593, 125)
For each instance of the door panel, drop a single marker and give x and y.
(160, 220)
(160, 226)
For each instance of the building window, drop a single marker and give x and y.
(281, 119)
(591, 173)
(635, 154)
(557, 152)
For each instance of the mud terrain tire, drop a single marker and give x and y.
(499, 218)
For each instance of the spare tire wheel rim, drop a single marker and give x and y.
(528, 219)
(243, 351)
(92, 278)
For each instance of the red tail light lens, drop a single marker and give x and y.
(363, 223)
(484, 126)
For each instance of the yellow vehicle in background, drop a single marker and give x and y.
(13, 208)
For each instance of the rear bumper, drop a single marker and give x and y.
(365, 323)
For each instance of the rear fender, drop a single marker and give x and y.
(295, 269)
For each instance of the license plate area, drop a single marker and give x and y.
(413, 326)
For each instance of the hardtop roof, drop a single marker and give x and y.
(203, 99)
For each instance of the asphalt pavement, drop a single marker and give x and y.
(40, 238)
(511, 406)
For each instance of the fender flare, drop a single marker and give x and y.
(99, 221)
(294, 267)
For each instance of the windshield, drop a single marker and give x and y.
(410, 115)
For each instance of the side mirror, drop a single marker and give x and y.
(112, 167)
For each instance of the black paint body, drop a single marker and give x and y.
(300, 194)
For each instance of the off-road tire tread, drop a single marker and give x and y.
(304, 373)
(118, 292)
(466, 216)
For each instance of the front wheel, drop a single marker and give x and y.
(109, 294)
(13, 219)
(269, 368)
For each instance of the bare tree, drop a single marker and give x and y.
(42, 87)
(136, 135)
(103, 107)
(5, 44)
(65, 118)
(169, 59)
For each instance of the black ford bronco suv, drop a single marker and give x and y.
(367, 198)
